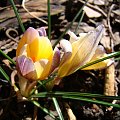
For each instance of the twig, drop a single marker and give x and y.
(40, 19)
(6, 7)
(9, 36)
(70, 112)
(35, 113)
(109, 26)
(111, 107)
(13, 74)
(109, 88)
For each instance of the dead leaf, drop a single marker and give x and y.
(105, 41)
(99, 2)
(91, 13)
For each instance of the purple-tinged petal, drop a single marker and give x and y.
(42, 31)
(65, 45)
(29, 36)
(26, 67)
(67, 49)
(56, 59)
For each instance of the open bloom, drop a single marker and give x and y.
(35, 55)
(82, 50)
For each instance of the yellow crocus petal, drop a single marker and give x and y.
(82, 52)
(27, 38)
(80, 55)
(20, 45)
(99, 53)
(40, 48)
(42, 68)
(23, 50)
(99, 65)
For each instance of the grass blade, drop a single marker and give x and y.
(4, 74)
(6, 56)
(93, 101)
(43, 109)
(58, 108)
(17, 15)
(79, 21)
(77, 94)
(69, 25)
(49, 20)
(81, 96)
(114, 54)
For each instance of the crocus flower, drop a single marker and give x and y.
(83, 50)
(35, 57)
